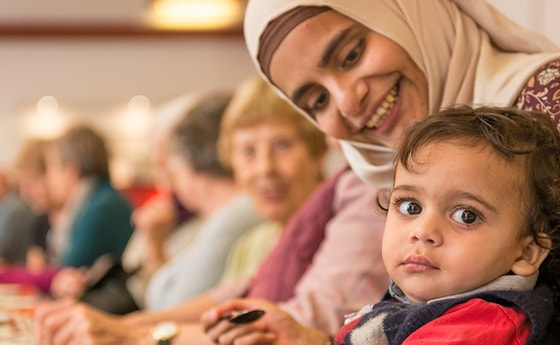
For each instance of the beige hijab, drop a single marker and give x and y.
(470, 53)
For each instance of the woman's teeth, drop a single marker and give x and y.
(381, 113)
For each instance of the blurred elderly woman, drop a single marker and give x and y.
(277, 156)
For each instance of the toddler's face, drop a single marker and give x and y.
(455, 222)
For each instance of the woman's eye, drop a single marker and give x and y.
(245, 152)
(319, 103)
(283, 144)
(465, 216)
(350, 58)
(353, 55)
(410, 208)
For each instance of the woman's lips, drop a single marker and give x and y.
(270, 193)
(383, 110)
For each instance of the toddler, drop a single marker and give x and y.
(471, 238)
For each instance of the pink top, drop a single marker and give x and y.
(20, 275)
(347, 271)
(295, 250)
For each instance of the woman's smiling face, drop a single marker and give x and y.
(357, 84)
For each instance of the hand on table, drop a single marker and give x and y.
(69, 282)
(69, 322)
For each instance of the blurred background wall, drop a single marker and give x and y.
(65, 61)
(112, 82)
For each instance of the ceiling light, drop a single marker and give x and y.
(195, 14)
(47, 105)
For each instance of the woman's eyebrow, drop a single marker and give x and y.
(299, 92)
(333, 45)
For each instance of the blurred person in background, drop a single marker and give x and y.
(30, 175)
(202, 184)
(277, 158)
(94, 219)
(163, 227)
(30, 172)
(16, 224)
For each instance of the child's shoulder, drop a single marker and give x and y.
(478, 321)
(486, 312)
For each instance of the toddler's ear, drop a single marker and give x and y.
(533, 255)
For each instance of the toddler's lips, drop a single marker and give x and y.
(418, 263)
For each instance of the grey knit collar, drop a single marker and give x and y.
(506, 282)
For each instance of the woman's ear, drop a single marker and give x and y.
(532, 256)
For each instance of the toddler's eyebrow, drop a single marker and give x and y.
(405, 187)
(460, 194)
(470, 196)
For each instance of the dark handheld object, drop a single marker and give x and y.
(244, 316)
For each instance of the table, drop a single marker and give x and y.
(16, 314)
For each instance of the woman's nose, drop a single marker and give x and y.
(350, 97)
(265, 162)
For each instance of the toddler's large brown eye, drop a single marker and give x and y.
(414, 208)
(410, 208)
(468, 217)
(465, 216)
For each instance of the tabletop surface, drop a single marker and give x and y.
(16, 314)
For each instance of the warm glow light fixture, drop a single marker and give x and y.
(195, 14)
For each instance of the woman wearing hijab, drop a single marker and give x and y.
(372, 68)
(366, 70)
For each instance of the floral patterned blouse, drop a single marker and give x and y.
(542, 92)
